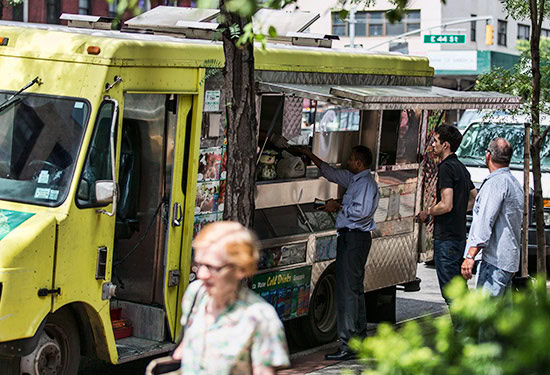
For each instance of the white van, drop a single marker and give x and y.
(476, 138)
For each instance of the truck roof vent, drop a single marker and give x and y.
(87, 22)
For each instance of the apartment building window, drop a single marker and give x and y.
(375, 24)
(339, 26)
(473, 28)
(84, 6)
(524, 32)
(112, 8)
(501, 33)
(53, 11)
(545, 33)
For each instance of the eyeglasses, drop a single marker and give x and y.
(212, 270)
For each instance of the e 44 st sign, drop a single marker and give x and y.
(448, 39)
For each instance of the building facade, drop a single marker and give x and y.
(458, 61)
(48, 11)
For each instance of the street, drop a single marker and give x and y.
(410, 305)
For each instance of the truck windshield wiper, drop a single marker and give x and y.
(10, 100)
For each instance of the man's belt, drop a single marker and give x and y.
(346, 230)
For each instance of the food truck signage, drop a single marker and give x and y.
(287, 291)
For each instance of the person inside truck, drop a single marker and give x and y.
(354, 222)
(227, 328)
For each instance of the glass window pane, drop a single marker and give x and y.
(360, 29)
(375, 30)
(395, 29)
(413, 15)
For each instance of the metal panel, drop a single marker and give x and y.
(392, 260)
(292, 116)
(318, 78)
(292, 192)
(166, 16)
(395, 97)
(334, 147)
(422, 97)
(283, 21)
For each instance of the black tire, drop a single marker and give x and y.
(58, 350)
(9, 366)
(319, 326)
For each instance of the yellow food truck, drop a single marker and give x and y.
(112, 154)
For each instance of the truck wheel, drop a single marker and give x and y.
(58, 349)
(319, 326)
(9, 366)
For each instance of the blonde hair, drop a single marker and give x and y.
(241, 245)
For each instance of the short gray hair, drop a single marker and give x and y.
(501, 151)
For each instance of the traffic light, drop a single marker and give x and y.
(489, 35)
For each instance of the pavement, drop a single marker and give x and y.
(409, 306)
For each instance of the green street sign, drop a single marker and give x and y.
(447, 39)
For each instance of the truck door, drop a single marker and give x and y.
(149, 229)
(177, 254)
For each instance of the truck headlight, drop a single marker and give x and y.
(547, 218)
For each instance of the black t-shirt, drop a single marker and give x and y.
(453, 174)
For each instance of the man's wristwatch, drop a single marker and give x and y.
(468, 256)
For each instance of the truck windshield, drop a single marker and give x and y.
(476, 140)
(39, 141)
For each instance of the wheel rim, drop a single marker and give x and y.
(323, 304)
(51, 355)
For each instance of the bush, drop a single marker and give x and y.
(497, 336)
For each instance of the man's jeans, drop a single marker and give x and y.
(448, 258)
(493, 279)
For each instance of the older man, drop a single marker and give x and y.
(496, 224)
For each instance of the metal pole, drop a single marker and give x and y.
(351, 22)
(489, 18)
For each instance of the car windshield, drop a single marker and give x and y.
(476, 140)
(39, 141)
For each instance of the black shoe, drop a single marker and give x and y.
(340, 355)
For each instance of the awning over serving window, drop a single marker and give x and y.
(395, 97)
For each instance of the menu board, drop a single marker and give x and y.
(287, 291)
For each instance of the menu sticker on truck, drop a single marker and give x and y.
(287, 291)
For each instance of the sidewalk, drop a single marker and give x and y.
(411, 305)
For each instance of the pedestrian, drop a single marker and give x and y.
(354, 223)
(496, 224)
(454, 197)
(227, 328)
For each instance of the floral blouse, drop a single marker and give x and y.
(247, 334)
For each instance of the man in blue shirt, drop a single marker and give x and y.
(354, 222)
(496, 223)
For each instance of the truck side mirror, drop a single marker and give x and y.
(104, 191)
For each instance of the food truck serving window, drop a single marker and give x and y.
(39, 141)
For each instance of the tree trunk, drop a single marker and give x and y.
(525, 239)
(539, 210)
(536, 8)
(242, 128)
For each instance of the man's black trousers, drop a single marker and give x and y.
(352, 251)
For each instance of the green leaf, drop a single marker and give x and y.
(272, 32)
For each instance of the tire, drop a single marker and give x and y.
(9, 366)
(58, 349)
(319, 326)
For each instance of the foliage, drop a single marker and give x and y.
(501, 336)
(518, 79)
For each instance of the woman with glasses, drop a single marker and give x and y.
(228, 329)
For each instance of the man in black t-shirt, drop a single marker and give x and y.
(455, 196)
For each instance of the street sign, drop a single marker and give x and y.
(447, 39)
